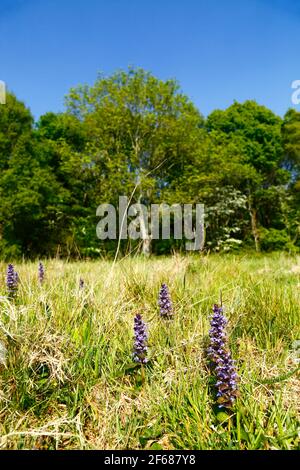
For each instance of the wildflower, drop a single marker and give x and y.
(164, 302)
(221, 360)
(41, 272)
(11, 281)
(140, 340)
(17, 278)
(81, 283)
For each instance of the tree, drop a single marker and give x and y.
(251, 137)
(141, 133)
(291, 196)
(15, 121)
(63, 138)
(29, 192)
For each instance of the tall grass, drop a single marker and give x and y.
(69, 381)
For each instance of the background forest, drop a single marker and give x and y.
(128, 129)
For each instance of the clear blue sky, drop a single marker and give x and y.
(219, 51)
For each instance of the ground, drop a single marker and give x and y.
(67, 380)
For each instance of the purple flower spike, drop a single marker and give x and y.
(11, 281)
(140, 340)
(221, 360)
(164, 302)
(41, 272)
(17, 278)
(81, 283)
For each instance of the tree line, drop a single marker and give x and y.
(133, 134)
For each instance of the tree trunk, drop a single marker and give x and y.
(254, 224)
(146, 250)
(146, 237)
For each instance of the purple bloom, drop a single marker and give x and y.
(221, 360)
(41, 272)
(164, 302)
(140, 340)
(11, 281)
(81, 283)
(17, 278)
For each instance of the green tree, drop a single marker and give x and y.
(64, 140)
(141, 133)
(29, 192)
(291, 197)
(15, 121)
(291, 141)
(251, 141)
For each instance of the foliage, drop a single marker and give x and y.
(133, 134)
(273, 239)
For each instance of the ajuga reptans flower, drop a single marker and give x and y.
(41, 272)
(140, 340)
(11, 281)
(165, 302)
(221, 361)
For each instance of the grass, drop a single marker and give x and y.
(69, 381)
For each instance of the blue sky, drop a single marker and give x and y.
(219, 51)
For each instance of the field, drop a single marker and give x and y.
(67, 380)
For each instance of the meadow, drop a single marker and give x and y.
(67, 379)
